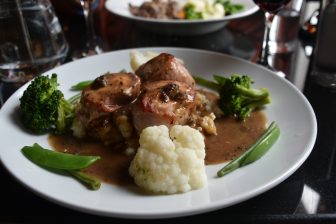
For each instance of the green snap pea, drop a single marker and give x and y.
(255, 152)
(90, 182)
(75, 99)
(63, 161)
(57, 160)
(81, 85)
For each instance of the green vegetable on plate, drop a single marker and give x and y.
(190, 13)
(230, 8)
(43, 107)
(81, 85)
(237, 97)
(255, 152)
(62, 161)
(209, 9)
(90, 182)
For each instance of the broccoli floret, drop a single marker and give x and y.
(190, 13)
(43, 107)
(229, 7)
(237, 97)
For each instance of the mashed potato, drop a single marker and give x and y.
(170, 161)
(138, 58)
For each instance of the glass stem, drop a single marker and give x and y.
(27, 38)
(88, 16)
(263, 55)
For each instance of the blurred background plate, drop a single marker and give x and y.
(178, 27)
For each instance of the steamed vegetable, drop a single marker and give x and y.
(237, 97)
(209, 9)
(90, 182)
(230, 8)
(255, 152)
(81, 85)
(43, 107)
(62, 161)
(169, 160)
(191, 13)
(57, 160)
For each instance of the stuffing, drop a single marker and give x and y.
(169, 161)
(208, 124)
(78, 128)
(124, 125)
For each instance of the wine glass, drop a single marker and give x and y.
(270, 8)
(92, 45)
(31, 42)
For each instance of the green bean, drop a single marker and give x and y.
(255, 152)
(81, 85)
(57, 160)
(75, 99)
(207, 83)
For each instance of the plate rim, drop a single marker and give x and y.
(190, 211)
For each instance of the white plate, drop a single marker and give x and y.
(178, 27)
(289, 108)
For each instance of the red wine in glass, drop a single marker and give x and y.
(271, 6)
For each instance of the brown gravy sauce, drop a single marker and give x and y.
(112, 167)
(233, 138)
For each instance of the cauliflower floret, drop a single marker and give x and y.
(169, 161)
(209, 8)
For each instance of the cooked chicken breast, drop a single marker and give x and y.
(104, 102)
(163, 102)
(165, 67)
(118, 106)
(111, 91)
